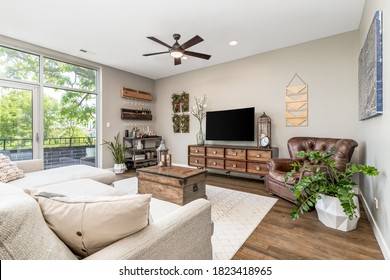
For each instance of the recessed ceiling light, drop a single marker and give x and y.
(233, 43)
(184, 58)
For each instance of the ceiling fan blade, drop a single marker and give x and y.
(160, 42)
(148, 54)
(191, 42)
(177, 61)
(199, 55)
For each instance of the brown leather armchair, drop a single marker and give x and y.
(278, 167)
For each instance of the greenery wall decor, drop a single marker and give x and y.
(185, 101)
(176, 123)
(185, 123)
(180, 108)
(176, 99)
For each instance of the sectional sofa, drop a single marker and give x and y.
(76, 213)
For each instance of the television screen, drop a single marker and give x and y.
(231, 125)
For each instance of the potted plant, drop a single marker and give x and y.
(328, 189)
(118, 151)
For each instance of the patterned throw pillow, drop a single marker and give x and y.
(8, 170)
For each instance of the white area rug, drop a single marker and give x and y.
(235, 215)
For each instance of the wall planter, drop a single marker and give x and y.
(176, 100)
(176, 123)
(331, 213)
(185, 123)
(185, 101)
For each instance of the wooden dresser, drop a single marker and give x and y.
(243, 159)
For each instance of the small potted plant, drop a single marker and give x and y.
(118, 151)
(327, 189)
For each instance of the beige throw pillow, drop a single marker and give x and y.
(88, 224)
(8, 170)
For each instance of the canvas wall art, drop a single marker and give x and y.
(370, 71)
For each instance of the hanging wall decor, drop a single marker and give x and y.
(370, 71)
(185, 102)
(296, 102)
(176, 123)
(180, 109)
(176, 99)
(185, 123)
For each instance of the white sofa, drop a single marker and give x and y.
(176, 232)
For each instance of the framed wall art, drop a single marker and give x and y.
(370, 71)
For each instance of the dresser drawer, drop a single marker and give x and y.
(258, 155)
(214, 152)
(196, 151)
(215, 163)
(196, 161)
(232, 165)
(235, 154)
(257, 168)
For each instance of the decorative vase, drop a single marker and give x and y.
(332, 215)
(200, 136)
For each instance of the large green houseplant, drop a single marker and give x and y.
(118, 150)
(325, 179)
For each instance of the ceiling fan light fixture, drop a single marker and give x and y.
(176, 53)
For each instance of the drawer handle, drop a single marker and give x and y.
(196, 151)
(196, 161)
(258, 168)
(258, 155)
(195, 188)
(234, 165)
(214, 163)
(234, 154)
(214, 152)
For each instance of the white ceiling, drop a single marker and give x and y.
(115, 31)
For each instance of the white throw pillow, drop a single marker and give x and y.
(8, 170)
(88, 224)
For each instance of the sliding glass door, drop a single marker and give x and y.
(18, 128)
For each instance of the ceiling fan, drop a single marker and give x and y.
(177, 51)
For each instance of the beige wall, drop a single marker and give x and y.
(112, 102)
(328, 66)
(374, 136)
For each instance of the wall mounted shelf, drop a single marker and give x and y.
(135, 94)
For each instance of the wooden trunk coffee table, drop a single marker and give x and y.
(176, 184)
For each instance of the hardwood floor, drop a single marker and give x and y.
(278, 237)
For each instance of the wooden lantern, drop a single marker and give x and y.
(264, 131)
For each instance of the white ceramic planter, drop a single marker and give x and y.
(119, 168)
(331, 214)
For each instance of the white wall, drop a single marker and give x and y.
(374, 136)
(328, 66)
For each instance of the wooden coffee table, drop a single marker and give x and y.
(176, 184)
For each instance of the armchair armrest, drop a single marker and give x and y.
(184, 234)
(280, 164)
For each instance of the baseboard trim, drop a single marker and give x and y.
(378, 234)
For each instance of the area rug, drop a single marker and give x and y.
(235, 214)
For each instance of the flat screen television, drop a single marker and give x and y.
(231, 125)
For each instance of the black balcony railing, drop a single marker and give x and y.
(26, 143)
(57, 151)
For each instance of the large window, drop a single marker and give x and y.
(65, 110)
